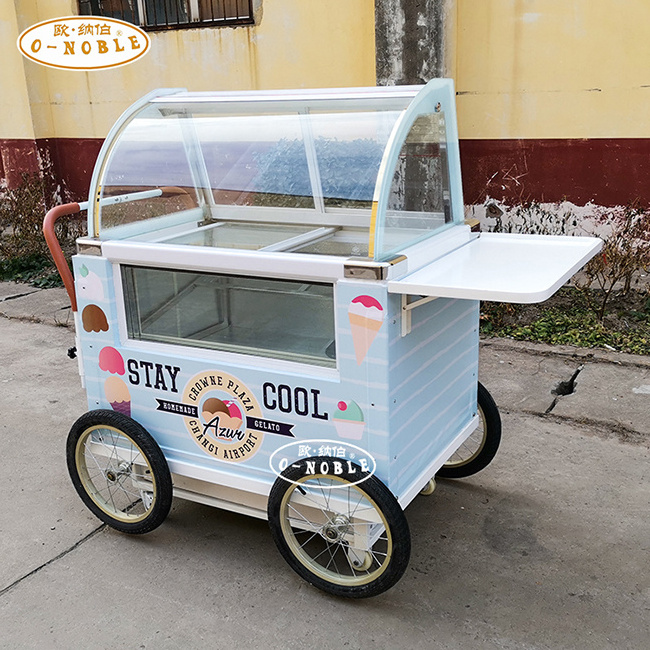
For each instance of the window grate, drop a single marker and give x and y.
(171, 14)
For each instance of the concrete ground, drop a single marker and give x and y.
(548, 547)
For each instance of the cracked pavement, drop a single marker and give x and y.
(608, 391)
(546, 548)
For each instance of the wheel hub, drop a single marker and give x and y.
(336, 529)
(113, 475)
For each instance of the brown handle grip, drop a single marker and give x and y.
(55, 248)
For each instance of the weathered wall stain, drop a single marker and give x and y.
(410, 41)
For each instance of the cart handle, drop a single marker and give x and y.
(55, 248)
(69, 209)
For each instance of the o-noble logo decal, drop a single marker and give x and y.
(223, 416)
(83, 43)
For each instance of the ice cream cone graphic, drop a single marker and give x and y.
(117, 393)
(94, 319)
(366, 317)
(348, 420)
(89, 285)
(228, 412)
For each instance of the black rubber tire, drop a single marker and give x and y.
(489, 443)
(105, 484)
(383, 565)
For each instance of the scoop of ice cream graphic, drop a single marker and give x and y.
(117, 393)
(229, 414)
(94, 319)
(233, 409)
(111, 361)
(366, 317)
(348, 420)
(89, 285)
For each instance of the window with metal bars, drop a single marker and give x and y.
(171, 14)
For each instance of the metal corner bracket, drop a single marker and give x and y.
(365, 268)
(88, 246)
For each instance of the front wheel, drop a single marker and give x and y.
(346, 537)
(119, 471)
(479, 449)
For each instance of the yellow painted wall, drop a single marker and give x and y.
(553, 68)
(15, 116)
(296, 44)
(523, 68)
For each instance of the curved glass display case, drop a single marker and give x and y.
(361, 173)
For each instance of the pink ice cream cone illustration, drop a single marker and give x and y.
(348, 420)
(117, 393)
(366, 317)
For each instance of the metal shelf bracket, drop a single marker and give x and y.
(408, 307)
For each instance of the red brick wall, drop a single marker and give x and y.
(606, 171)
(16, 158)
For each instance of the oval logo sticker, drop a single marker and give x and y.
(83, 43)
(337, 459)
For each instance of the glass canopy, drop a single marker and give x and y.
(345, 172)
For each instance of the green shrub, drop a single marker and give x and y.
(567, 319)
(625, 253)
(24, 255)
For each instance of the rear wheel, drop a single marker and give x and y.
(346, 537)
(479, 449)
(119, 471)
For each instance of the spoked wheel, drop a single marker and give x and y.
(119, 471)
(479, 449)
(344, 538)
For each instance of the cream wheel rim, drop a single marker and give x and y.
(328, 517)
(110, 464)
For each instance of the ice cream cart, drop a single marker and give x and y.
(277, 310)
